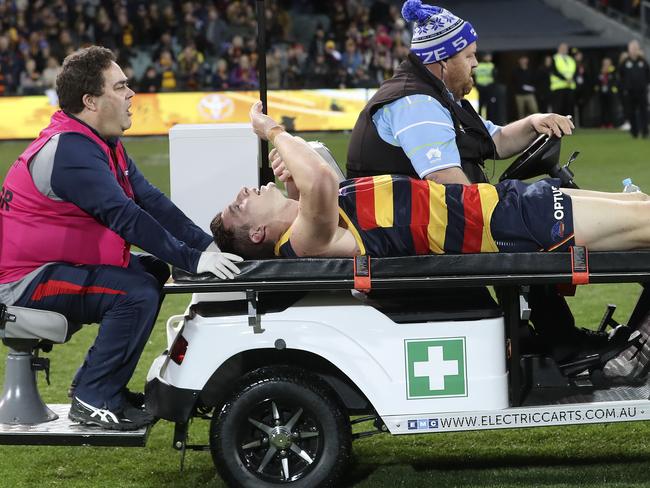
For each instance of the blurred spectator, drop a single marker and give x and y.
(166, 67)
(340, 21)
(317, 44)
(295, 67)
(243, 75)
(241, 18)
(151, 81)
(319, 73)
(278, 24)
(401, 33)
(3, 82)
(50, 73)
(336, 71)
(634, 77)
(274, 70)
(563, 83)
(105, 32)
(126, 33)
(606, 89)
(9, 66)
(543, 85)
(220, 77)
(524, 86)
(31, 80)
(584, 86)
(351, 59)
(142, 25)
(332, 55)
(362, 79)
(190, 68)
(63, 45)
(190, 28)
(382, 37)
(165, 43)
(169, 19)
(139, 32)
(215, 32)
(155, 25)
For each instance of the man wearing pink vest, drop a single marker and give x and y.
(72, 205)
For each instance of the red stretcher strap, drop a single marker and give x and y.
(362, 277)
(579, 265)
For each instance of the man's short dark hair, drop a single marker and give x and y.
(81, 74)
(237, 240)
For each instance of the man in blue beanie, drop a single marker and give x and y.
(419, 124)
(421, 119)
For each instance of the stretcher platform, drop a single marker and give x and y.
(448, 270)
(509, 272)
(64, 432)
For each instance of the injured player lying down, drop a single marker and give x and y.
(398, 216)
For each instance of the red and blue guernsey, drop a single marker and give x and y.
(97, 204)
(392, 215)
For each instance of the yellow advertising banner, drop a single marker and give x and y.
(155, 114)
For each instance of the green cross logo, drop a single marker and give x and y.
(435, 368)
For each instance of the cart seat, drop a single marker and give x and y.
(24, 331)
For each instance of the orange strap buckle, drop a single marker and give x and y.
(362, 277)
(579, 265)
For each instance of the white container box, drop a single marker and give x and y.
(209, 163)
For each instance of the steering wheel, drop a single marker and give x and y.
(542, 157)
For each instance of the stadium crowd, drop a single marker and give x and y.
(211, 45)
(199, 45)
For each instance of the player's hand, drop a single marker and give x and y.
(279, 168)
(219, 264)
(552, 124)
(262, 123)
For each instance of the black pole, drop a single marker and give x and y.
(266, 173)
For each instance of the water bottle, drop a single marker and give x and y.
(629, 187)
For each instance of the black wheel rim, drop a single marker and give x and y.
(279, 441)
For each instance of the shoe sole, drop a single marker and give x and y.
(94, 423)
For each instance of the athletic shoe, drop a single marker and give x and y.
(633, 363)
(133, 398)
(129, 418)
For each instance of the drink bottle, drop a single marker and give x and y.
(629, 187)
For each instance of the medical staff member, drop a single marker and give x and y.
(72, 205)
(484, 80)
(634, 78)
(419, 124)
(563, 84)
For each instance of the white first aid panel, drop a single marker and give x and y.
(209, 163)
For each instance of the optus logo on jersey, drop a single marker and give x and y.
(558, 207)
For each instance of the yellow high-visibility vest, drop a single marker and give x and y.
(566, 66)
(484, 74)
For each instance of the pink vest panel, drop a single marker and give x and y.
(35, 229)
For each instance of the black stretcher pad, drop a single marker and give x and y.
(432, 271)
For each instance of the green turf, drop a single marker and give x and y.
(615, 455)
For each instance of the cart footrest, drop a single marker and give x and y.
(64, 432)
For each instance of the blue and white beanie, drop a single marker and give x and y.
(437, 33)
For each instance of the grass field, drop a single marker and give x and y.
(616, 455)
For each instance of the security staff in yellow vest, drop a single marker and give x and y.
(563, 85)
(484, 79)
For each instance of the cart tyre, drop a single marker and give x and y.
(249, 435)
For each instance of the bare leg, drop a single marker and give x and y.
(624, 197)
(606, 224)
